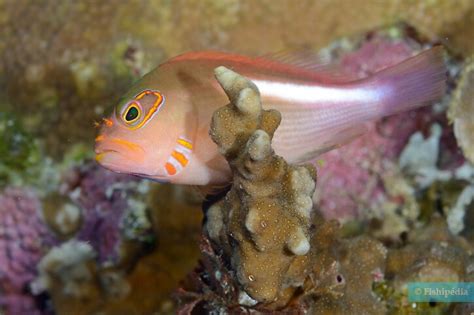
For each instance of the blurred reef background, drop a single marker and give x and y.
(78, 239)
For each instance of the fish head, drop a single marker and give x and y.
(137, 137)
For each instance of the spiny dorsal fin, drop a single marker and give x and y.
(309, 60)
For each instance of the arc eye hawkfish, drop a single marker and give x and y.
(320, 110)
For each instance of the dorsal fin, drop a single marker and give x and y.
(309, 60)
(304, 63)
(305, 58)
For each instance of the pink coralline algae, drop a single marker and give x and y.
(24, 238)
(350, 177)
(103, 198)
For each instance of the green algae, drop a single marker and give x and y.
(23, 161)
(19, 151)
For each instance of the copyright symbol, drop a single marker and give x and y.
(418, 291)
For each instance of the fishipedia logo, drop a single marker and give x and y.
(446, 292)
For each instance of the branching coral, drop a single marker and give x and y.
(263, 223)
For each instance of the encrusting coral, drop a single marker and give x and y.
(263, 223)
(432, 254)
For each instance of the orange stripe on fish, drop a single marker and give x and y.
(146, 92)
(128, 144)
(185, 143)
(180, 157)
(99, 138)
(173, 167)
(170, 169)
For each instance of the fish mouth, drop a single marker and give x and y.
(105, 146)
(117, 145)
(113, 157)
(101, 154)
(110, 159)
(120, 155)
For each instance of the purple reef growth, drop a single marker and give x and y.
(24, 238)
(103, 198)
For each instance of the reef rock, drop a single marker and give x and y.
(432, 254)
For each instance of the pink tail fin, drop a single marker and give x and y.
(414, 82)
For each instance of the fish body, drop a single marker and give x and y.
(159, 129)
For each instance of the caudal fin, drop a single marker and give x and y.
(414, 82)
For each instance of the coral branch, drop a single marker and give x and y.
(264, 221)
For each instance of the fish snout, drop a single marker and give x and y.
(100, 145)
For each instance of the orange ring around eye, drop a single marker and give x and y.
(124, 115)
(142, 94)
(156, 106)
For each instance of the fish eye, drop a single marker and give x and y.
(132, 113)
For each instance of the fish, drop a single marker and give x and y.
(159, 129)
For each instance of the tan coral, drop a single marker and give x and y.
(263, 223)
(461, 110)
(343, 273)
